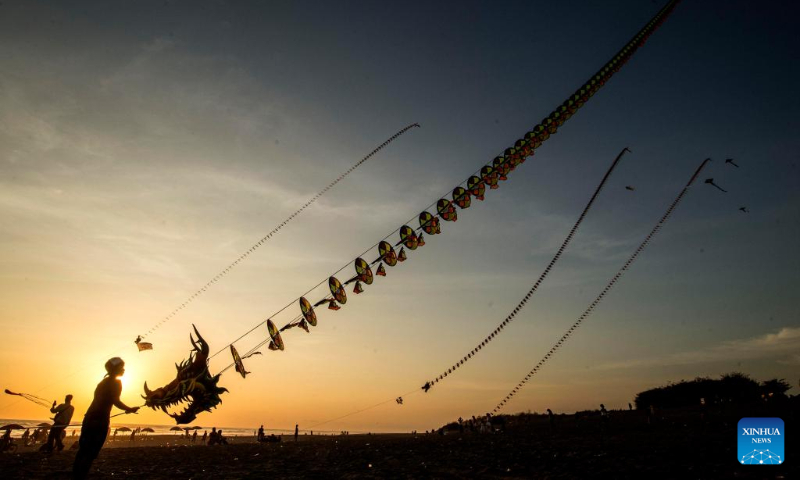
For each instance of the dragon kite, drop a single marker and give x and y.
(193, 383)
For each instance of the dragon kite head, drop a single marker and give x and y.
(193, 383)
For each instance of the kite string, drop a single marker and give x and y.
(603, 293)
(510, 317)
(276, 229)
(252, 350)
(416, 390)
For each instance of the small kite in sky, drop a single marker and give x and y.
(446, 210)
(744, 209)
(476, 187)
(408, 238)
(276, 342)
(363, 272)
(308, 312)
(730, 160)
(489, 176)
(630, 187)
(237, 361)
(710, 181)
(461, 198)
(502, 167)
(386, 254)
(142, 345)
(429, 223)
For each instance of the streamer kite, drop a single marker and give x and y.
(429, 384)
(30, 397)
(662, 221)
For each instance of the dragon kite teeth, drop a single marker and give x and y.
(193, 383)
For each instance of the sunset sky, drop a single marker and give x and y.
(145, 145)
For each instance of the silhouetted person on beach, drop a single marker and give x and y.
(551, 419)
(296, 430)
(205, 436)
(96, 422)
(60, 423)
(603, 415)
(630, 407)
(261, 433)
(6, 441)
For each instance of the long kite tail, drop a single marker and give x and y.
(275, 230)
(521, 304)
(603, 293)
(526, 146)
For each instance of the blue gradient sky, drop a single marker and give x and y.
(144, 146)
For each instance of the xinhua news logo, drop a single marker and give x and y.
(761, 441)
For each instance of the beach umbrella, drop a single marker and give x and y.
(123, 429)
(12, 426)
(44, 425)
(149, 430)
(175, 429)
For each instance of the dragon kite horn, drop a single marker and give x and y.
(203, 345)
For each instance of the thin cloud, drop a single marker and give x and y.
(785, 341)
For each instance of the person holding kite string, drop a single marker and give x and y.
(98, 417)
(60, 423)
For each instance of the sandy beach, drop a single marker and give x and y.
(576, 447)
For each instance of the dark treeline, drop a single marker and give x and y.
(735, 388)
